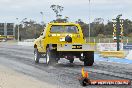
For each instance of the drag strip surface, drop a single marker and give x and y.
(20, 58)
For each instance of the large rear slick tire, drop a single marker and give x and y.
(51, 57)
(88, 58)
(36, 55)
(71, 61)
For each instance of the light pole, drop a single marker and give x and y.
(89, 21)
(42, 16)
(19, 28)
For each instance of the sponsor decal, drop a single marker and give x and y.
(76, 46)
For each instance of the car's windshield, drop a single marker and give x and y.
(64, 29)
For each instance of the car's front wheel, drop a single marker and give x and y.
(36, 55)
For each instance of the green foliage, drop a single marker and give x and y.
(101, 36)
(109, 36)
(85, 29)
(98, 27)
(127, 27)
(130, 35)
(29, 29)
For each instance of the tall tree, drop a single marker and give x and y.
(57, 9)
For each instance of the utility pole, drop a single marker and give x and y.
(89, 20)
(18, 28)
(42, 16)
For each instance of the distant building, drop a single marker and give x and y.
(2, 27)
(8, 30)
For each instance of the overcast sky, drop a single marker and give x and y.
(74, 9)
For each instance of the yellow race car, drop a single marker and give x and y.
(63, 40)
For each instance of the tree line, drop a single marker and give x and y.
(99, 29)
(31, 29)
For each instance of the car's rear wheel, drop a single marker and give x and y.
(36, 55)
(51, 57)
(88, 58)
(72, 60)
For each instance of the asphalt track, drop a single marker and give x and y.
(64, 75)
